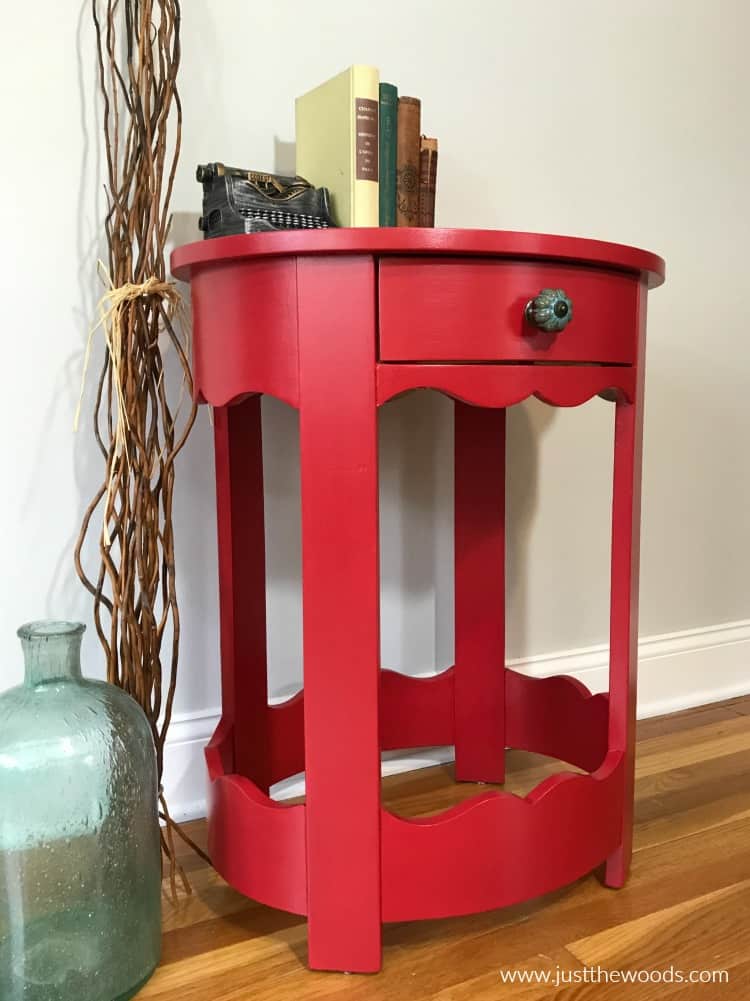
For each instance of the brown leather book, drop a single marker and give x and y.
(428, 156)
(407, 162)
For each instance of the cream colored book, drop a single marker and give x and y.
(337, 143)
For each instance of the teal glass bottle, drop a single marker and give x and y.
(80, 866)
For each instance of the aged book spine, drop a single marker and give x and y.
(337, 143)
(388, 152)
(407, 167)
(365, 99)
(428, 156)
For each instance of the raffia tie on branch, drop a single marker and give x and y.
(112, 309)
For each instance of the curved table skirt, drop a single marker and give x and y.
(492, 850)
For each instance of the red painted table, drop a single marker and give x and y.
(336, 323)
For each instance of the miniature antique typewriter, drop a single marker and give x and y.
(248, 201)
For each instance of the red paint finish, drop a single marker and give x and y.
(220, 750)
(623, 628)
(242, 584)
(248, 323)
(506, 385)
(188, 260)
(271, 865)
(340, 605)
(256, 844)
(497, 849)
(467, 310)
(480, 593)
(416, 712)
(286, 738)
(558, 717)
(337, 323)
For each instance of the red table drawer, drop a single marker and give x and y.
(454, 309)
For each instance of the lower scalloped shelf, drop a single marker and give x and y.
(497, 849)
(493, 850)
(556, 716)
(257, 845)
(490, 851)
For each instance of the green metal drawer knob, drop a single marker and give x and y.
(550, 310)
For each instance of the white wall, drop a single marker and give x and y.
(589, 117)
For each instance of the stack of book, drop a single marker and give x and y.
(358, 138)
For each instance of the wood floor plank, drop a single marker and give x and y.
(491, 987)
(663, 753)
(688, 719)
(713, 926)
(709, 932)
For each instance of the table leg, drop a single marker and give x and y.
(242, 584)
(623, 668)
(340, 589)
(480, 593)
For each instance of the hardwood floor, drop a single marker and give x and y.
(686, 905)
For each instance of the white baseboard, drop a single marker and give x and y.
(676, 671)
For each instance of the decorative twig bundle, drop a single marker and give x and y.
(135, 421)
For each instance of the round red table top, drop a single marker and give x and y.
(412, 240)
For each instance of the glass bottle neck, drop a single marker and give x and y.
(52, 651)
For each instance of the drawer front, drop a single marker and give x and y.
(472, 310)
